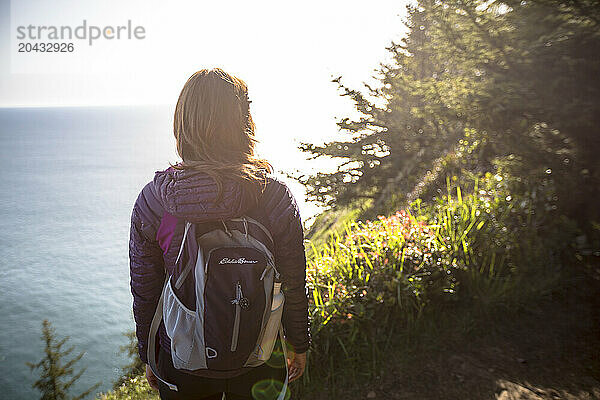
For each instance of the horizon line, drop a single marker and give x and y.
(24, 106)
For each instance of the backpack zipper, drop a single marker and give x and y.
(238, 310)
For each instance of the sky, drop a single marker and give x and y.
(287, 53)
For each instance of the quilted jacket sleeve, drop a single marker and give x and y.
(146, 269)
(291, 262)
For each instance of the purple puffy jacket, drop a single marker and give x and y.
(157, 223)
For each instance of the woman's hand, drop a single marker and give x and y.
(296, 364)
(152, 380)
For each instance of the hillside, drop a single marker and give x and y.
(548, 351)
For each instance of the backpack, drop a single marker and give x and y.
(222, 305)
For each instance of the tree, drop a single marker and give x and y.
(57, 376)
(391, 145)
(475, 84)
(136, 366)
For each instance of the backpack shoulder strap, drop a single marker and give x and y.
(245, 219)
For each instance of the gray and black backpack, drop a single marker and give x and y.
(222, 305)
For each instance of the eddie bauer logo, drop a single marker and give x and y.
(240, 260)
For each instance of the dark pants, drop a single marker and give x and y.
(261, 383)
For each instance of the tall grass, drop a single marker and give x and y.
(374, 283)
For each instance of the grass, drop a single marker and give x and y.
(382, 284)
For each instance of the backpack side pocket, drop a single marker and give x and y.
(273, 323)
(180, 323)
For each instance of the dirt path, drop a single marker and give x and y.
(549, 352)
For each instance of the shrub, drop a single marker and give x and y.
(57, 374)
(482, 248)
(135, 388)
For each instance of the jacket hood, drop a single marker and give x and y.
(190, 195)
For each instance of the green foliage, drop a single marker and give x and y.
(57, 376)
(473, 82)
(331, 221)
(133, 388)
(132, 384)
(136, 367)
(480, 249)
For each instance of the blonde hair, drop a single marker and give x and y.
(214, 130)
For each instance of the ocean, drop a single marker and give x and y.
(69, 179)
